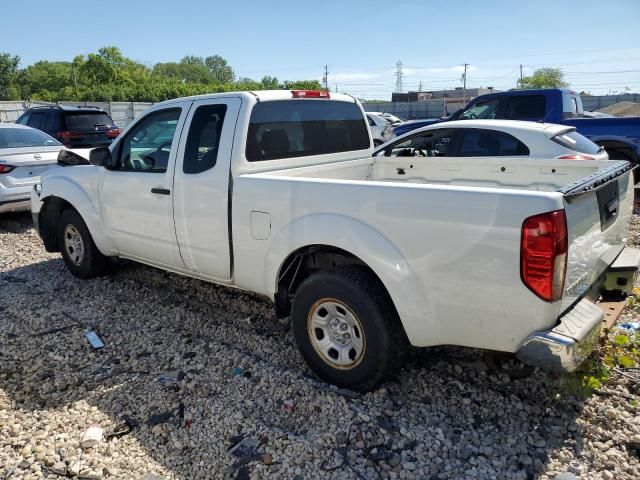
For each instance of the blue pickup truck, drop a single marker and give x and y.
(619, 136)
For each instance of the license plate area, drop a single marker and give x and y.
(608, 203)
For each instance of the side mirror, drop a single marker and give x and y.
(69, 158)
(101, 157)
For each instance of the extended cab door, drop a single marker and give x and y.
(201, 187)
(136, 196)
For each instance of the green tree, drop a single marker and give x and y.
(269, 83)
(8, 68)
(302, 85)
(44, 75)
(544, 78)
(220, 70)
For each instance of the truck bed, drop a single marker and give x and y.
(449, 229)
(509, 173)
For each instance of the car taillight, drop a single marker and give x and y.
(575, 157)
(310, 94)
(113, 133)
(66, 135)
(543, 254)
(6, 168)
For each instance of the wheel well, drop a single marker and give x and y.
(623, 150)
(48, 221)
(304, 262)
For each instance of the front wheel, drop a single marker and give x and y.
(347, 329)
(79, 252)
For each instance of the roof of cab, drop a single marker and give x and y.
(260, 95)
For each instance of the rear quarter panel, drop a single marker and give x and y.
(449, 256)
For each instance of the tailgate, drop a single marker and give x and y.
(598, 210)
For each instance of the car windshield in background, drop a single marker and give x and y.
(575, 141)
(25, 137)
(285, 129)
(82, 120)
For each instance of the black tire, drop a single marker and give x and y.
(91, 263)
(363, 294)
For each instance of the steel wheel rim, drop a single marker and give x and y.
(73, 244)
(336, 334)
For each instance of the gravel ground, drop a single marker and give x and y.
(189, 369)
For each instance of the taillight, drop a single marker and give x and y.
(66, 135)
(543, 254)
(575, 157)
(113, 133)
(6, 168)
(310, 94)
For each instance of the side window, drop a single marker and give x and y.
(147, 147)
(526, 107)
(432, 143)
(37, 120)
(485, 109)
(489, 143)
(51, 120)
(201, 151)
(24, 118)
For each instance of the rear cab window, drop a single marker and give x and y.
(87, 120)
(300, 128)
(526, 107)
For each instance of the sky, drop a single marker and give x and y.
(594, 42)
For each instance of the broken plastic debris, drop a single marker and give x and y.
(94, 340)
(629, 327)
(244, 448)
(92, 436)
(287, 406)
(237, 371)
(168, 379)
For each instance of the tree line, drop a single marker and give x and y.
(110, 76)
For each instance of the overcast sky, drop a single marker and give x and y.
(596, 43)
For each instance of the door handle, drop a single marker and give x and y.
(161, 191)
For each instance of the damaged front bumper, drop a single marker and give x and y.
(568, 344)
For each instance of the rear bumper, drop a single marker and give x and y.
(568, 344)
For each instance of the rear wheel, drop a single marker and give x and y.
(79, 252)
(347, 328)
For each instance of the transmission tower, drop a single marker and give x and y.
(399, 86)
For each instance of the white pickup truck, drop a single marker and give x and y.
(276, 192)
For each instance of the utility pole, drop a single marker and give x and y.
(326, 77)
(75, 80)
(420, 86)
(464, 84)
(336, 88)
(520, 75)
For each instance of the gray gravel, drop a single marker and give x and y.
(197, 368)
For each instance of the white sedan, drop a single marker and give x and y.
(381, 128)
(494, 138)
(24, 154)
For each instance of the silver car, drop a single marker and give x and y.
(24, 154)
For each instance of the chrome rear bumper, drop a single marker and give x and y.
(568, 344)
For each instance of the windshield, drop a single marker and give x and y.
(577, 142)
(88, 120)
(25, 137)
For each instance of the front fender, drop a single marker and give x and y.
(369, 245)
(76, 192)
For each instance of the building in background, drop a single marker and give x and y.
(456, 95)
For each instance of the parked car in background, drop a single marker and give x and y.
(73, 126)
(381, 128)
(24, 154)
(619, 136)
(495, 138)
(391, 118)
(406, 127)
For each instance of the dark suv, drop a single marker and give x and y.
(73, 126)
